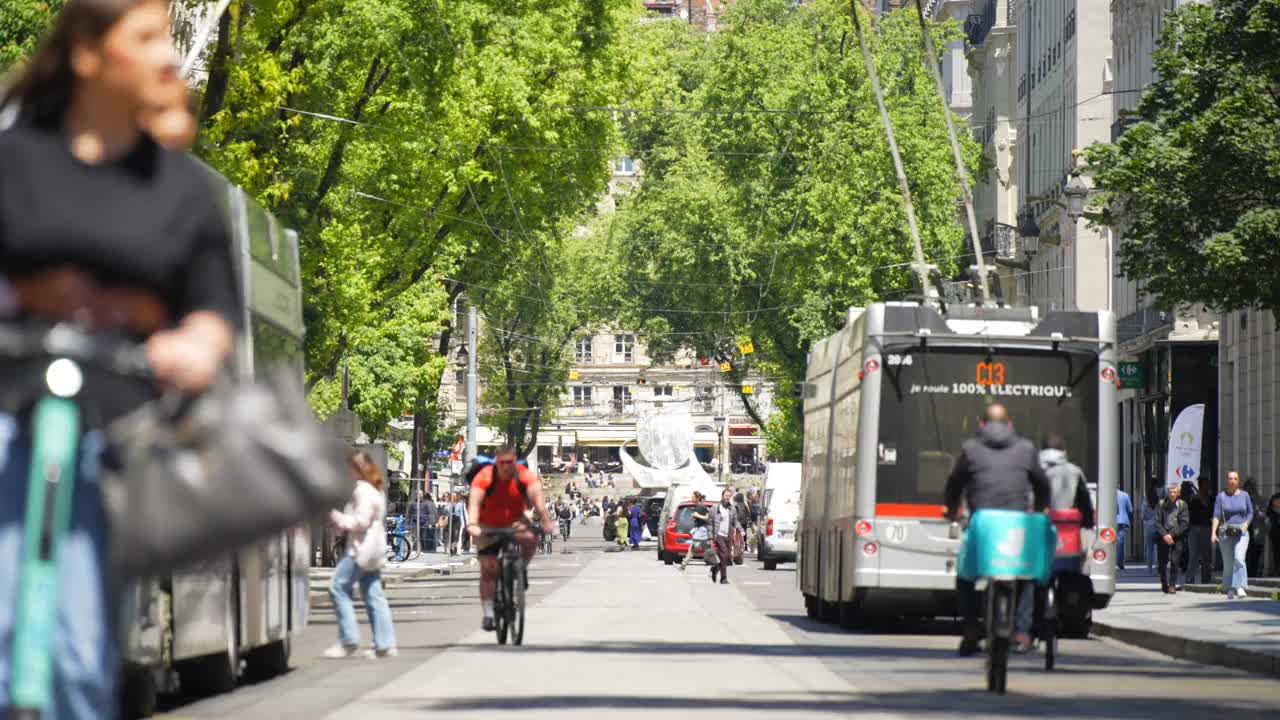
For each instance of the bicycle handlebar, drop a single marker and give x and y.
(30, 341)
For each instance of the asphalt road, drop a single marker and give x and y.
(620, 633)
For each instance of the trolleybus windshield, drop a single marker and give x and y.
(932, 398)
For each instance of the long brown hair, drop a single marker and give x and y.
(368, 469)
(43, 88)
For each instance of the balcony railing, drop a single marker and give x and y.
(978, 25)
(1119, 126)
(1004, 239)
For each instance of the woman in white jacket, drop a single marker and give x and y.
(366, 553)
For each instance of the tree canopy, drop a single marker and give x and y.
(769, 203)
(1193, 187)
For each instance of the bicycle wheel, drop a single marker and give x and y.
(501, 610)
(515, 608)
(397, 548)
(999, 620)
(414, 550)
(1050, 630)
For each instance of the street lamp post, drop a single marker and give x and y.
(472, 401)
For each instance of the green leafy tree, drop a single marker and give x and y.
(1194, 186)
(22, 23)
(769, 204)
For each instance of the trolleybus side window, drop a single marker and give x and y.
(928, 408)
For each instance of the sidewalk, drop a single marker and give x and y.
(1200, 627)
(395, 573)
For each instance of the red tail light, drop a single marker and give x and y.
(768, 527)
(863, 528)
(1108, 535)
(1099, 555)
(870, 549)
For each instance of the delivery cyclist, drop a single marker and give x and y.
(500, 493)
(995, 470)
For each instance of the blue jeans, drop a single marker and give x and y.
(1151, 544)
(86, 652)
(345, 577)
(1234, 574)
(1122, 536)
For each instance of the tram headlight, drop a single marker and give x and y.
(1099, 555)
(863, 528)
(1108, 535)
(870, 549)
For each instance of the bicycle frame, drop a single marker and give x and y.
(55, 429)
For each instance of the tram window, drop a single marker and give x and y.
(930, 407)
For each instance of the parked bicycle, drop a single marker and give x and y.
(513, 580)
(399, 541)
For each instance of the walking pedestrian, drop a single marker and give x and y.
(457, 521)
(1150, 539)
(700, 533)
(1273, 520)
(1172, 523)
(1232, 515)
(724, 523)
(105, 226)
(635, 524)
(362, 520)
(1199, 536)
(1124, 516)
(621, 526)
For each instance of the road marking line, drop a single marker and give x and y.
(570, 564)
(540, 582)
(758, 582)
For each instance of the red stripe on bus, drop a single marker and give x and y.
(909, 510)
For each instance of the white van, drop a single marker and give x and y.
(781, 504)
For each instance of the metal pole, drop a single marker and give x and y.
(931, 60)
(469, 453)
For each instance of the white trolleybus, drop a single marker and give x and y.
(202, 629)
(891, 397)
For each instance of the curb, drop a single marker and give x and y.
(1253, 591)
(1198, 651)
(322, 595)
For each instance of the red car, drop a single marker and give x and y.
(675, 541)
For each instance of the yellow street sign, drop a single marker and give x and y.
(748, 389)
(573, 374)
(725, 367)
(746, 348)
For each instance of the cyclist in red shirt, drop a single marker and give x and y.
(500, 494)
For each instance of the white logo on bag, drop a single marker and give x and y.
(1015, 540)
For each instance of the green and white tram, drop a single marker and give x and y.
(890, 399)
(204, 627)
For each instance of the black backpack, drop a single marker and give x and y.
(475, 469)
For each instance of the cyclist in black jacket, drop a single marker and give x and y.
(997, 469)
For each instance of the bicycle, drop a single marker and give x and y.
(564, 528)
(399, 545)
(547, 540)
(1004, 548)
(55, 424)
(509, 601)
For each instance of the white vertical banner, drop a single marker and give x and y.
(1184, 446)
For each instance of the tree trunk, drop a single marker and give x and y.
(215, 89)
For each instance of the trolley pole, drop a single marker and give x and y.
(469, 454)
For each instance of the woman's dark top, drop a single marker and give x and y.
(148, 220)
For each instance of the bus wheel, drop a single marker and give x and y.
(268, 661)
(811, 607)
(830, 612)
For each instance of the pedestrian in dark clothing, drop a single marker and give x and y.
(724, 523)
(1273, 520)
(1199, 537)
(1172, 523)
(1257, 529)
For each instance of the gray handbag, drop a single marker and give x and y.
(184, 482)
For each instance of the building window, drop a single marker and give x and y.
(624, 166)
(581, 395)
(460, 376)
(621, 394)
(662, 391)
(623, 347)
(582, 350)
